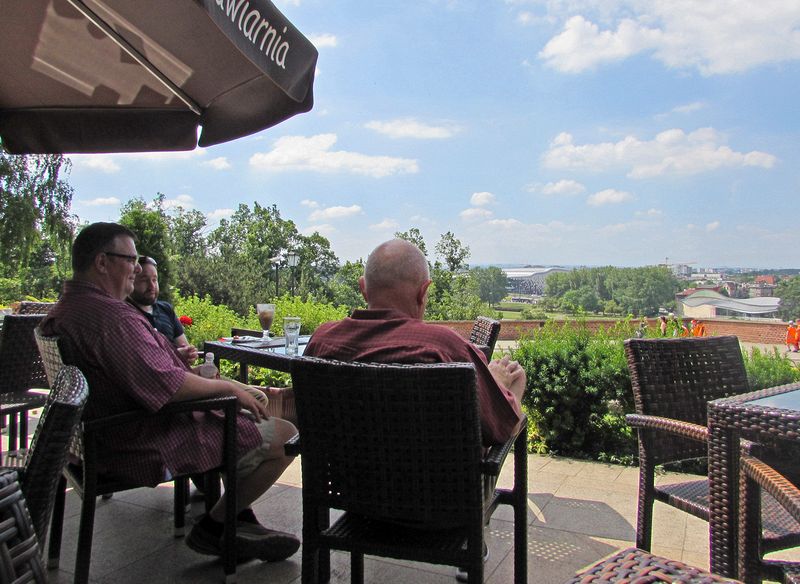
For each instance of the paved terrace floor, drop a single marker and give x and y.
(578, 512)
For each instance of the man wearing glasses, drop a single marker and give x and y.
(131, 366)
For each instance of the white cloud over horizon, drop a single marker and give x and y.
(609, 197)
(669, 152)
(563, 187)
(475, 213)
(681, 34)
(334, 212)
(219, 163)
(482, 199)
(301, 153)
(185, 201)
(101, 201)
(218, 214)
(322, 41)
(385, 225)
(412, 128)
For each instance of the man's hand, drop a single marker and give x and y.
(188, 354)
(509, 374)
(248, 401)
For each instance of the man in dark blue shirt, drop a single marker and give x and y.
(160, 313)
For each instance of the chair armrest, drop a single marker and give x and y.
(493, 460)
(677, 427)
(292, 447)
(227, 403)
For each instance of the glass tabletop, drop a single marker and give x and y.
(785, 401)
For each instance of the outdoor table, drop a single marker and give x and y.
(255, 353)
(770, 416)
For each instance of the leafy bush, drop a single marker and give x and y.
(311, 313)
(578, 390)
(10, 290)
(769, 368)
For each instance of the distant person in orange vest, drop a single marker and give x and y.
(662, 325)
(698, 329)
(684, 331)
(792, 337)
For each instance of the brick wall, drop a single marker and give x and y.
(772, 333)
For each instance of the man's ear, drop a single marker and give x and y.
(422, 294)
(101, 263)
(362, 285)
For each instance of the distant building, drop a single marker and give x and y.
(530, 279)
(761, 290)
(763, 279)
(706, 303)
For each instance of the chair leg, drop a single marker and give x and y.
(23, 430)
(644, 516)
(212, 490)
(13, 430)
(520, 496)
(57, 526)
(181, 485)
(84, 556)
(356, 568)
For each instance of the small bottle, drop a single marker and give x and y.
(208, 369)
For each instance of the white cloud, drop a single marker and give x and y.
(336, 212)
(323, 40)
(652, 213)
(713, 226)
(713, 36)
(385, 225)
(219, 163)
(506, 223)
(314, 154)
(563, 187)
(689, 107)
(411, 128)
(218, 214)
(669, 152)
(608, 197)
(101, 201)
(179, 201)
(482, 199)
(323, 229)
(309, 203)
(102, 162)
(475, 213)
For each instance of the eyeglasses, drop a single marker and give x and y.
(131, 259)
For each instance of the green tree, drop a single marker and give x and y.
(151, 225)
(491, 283)
(414, 236)
(789, 292)
(452, 252)
(36, 227)
(344, 286)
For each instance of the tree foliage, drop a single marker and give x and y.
(452, 252)
(414, 236)
(36, 226)
(789, 292)
(639, 291)
(491, 283)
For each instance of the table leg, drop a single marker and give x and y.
(723, 476)
(243, 372)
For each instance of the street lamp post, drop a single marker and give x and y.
(292, 258)
(276, 261)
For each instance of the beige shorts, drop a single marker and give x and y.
(252, 459)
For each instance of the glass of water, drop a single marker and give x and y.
(291, 331)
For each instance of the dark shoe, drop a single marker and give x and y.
(202, 541)
(461, 573)
(269, 545)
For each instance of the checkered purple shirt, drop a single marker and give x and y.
(129, 365)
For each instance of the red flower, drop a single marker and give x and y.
(185, 320)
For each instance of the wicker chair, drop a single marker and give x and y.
(27, 307)
(20, 560)
(82, 472)
(673, 379)
(40, 468)
(21, 370)
(398, 448)
(484, 334)
(635, 565)
(757, 476)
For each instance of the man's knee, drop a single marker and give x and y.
(284, 431)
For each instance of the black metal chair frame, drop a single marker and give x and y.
(673, 380)
(398, 448)
(82, 473)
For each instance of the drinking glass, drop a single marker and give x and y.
(266, 312)
(291, 331)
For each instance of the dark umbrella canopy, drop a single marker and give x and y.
(141, 75)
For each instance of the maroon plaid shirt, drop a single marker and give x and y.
(129, 365)
(387, 336)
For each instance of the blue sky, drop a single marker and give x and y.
(592, 132)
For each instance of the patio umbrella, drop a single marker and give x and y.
(142, 75)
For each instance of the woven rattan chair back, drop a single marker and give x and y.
(20, 558)
(21, 366)
(485, 331)
(50, 354)
(48, 452)
(27, 307)
(676, 378)
(756, 476)
(366, 429)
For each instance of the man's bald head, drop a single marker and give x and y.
(396, 276)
